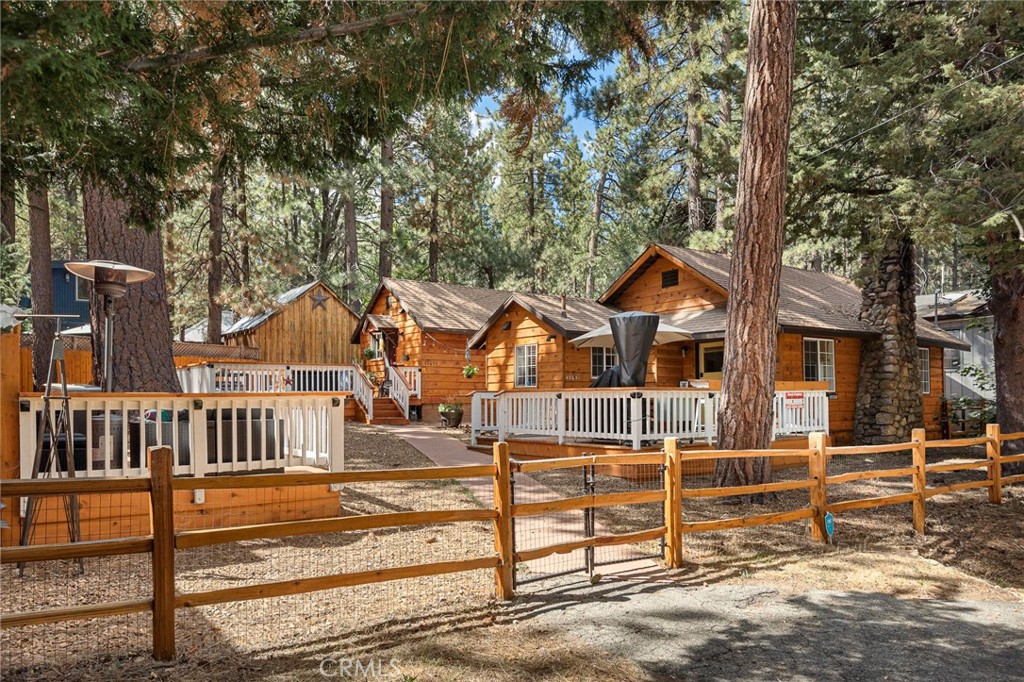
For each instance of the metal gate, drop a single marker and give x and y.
(564, 526)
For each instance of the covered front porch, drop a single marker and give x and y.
(633, 418)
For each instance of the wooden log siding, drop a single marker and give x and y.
(440, 355)
(164, 537)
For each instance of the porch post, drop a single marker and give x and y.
(336, 429)
(560, 417)
(636, 418)
(502, 411)
(198, 454)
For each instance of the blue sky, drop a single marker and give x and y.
(487, 105)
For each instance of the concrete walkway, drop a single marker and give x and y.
(531, 531)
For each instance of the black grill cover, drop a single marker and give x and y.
(633, 334)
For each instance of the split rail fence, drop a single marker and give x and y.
(165, 539)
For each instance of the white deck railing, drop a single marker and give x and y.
(245, 377)
(209, 435)
(399, 389)
(414, 379)
(632, 416)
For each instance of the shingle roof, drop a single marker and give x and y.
(581, 314)
(382, 321)
(445, 307)
(808, 300)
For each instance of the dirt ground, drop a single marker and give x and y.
(449, 628)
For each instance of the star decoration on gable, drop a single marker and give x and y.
(319, 300)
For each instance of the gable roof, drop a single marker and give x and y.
(953, 304)
(439, 307)
(250, 322)
(808, 300)
(581, 314)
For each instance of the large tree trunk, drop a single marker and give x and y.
(41, 272)
(602, 184)
(387, 210)
(434, 247)
(889, 382)
(694, 132)
(245, 273)
(142, 358)
(215, 269)
(8, 230)
(751, 332)
(1007, 306)
(351, 251)
(721, 202)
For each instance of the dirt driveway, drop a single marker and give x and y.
(738, 632)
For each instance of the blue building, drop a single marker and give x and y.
(70, 295)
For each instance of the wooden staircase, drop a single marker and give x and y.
(387, 411)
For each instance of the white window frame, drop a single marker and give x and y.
(603, 356)
(924, 355)
(526, 359)
(79, 283)
(377, 345)
(825, 348)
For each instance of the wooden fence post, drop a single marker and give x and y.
(919, 437)
(817, 470)
(162, 509)
(673, 505)
(503, 523)
(995, 468)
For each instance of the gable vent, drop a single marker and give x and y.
(669, 278)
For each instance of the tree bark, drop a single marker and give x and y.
(41, 273)
(751, 333)
(351, 251)
(602, 184)
(721, 203)
(387, 210)
(8, 220)
(243, 219)
(889, 380)
(215, 268)
(434, 248)
(694, 133)
(142, 325)
(1007, 307)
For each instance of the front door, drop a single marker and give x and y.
(391, 345)
(711, 358)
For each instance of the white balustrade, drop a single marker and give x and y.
(414, 379)
(220, 434)
(247, 377)
(630, 415)
(399, 389)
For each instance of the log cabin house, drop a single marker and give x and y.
(527, 347)
(419, 331)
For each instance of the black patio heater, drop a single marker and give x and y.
(110, 279)
(633, 335)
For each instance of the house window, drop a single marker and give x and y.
(669, 278)
(81, 289)
(601, 359)
(711, 360)
(952, 358)
(820, 361)
(526, 366)
(926, 370)
(376, 345)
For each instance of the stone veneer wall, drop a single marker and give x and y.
(889, 386)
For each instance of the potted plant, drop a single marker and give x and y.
(451, 410)
(369, 353)
(470, 371)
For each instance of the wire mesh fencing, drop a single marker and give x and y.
(47, 650)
